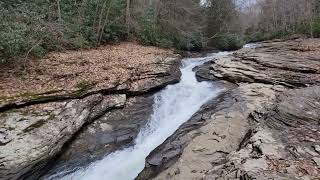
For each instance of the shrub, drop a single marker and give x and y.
(13, 41)
(192, 41)
(227, 42)
(298, 29)
(35, 25)
(316, 29)
(262, 35)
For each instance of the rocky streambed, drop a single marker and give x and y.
(268, 127)
(264, 126)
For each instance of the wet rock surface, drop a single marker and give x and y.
(266, 128)
(114, 130)
(203, 72)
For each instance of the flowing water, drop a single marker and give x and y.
(172, 107)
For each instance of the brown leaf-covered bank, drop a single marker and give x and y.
(266, 128)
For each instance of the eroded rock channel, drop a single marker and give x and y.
(265, 128)
(264, 125)
(171, 107)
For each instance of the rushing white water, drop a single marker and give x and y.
(172, 107)
(251, 46)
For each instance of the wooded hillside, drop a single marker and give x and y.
(31, 28)
(268, 19)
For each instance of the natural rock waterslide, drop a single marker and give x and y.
(266, 128)
(172, 107)
(261, 128)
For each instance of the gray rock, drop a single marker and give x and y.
(316, 160)
(272, 63)
(206, 139)
(317, 148)
(114, 130)
(203, 72)
(37, 134)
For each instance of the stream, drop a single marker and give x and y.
(172, 107)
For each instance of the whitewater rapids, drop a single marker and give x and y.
(172, 107)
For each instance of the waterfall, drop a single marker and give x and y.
(172, 107)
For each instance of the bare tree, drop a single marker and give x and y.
(59, 11)
(272, 15)
(128, 17)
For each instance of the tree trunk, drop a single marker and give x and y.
(128, 17)
(59, 12)
(101, 15)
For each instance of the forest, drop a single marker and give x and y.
(159, 89)
(31, 28)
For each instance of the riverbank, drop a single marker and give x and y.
(265, 128)
(44, 108)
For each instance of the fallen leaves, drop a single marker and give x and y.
(105, 67)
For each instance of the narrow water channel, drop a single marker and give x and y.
(172, 107)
